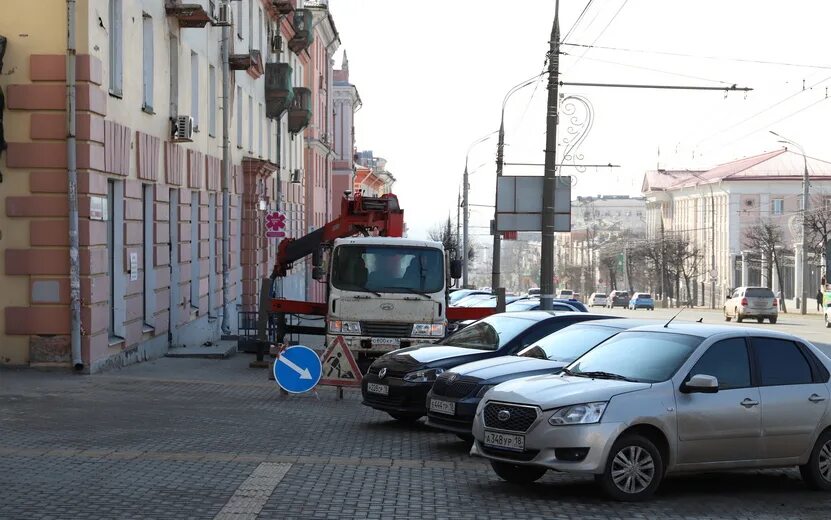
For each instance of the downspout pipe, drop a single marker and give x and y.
(226, 178)
(72, 191)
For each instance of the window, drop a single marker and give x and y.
(258, 45)
(195, 275)
(238, 21)
(212, 303)
(174, 76)
(194, 89)
(116, 49)
(260, 122)
(212, 101)
(238, 114)
(147, 62)
(250, 124)
(367, 268)
(115, 250)
(777, 206)
(147, 257)
(780, 362)
(483, 334)
(728, 362)
(568, 344)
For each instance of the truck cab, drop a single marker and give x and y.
(386, 293)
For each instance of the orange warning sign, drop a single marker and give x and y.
(339, 367)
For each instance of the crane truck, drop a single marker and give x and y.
(383, 292)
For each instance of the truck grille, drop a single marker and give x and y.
(457, 388)
(386, 330)
(520, 419)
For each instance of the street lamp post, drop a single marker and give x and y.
(500, 149)
(466, 208)
(803, 308)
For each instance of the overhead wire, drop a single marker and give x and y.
(661, 71)
(605, 28)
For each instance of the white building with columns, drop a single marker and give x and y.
(716, 207)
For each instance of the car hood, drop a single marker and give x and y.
(496, 370)
(432, 356)
(554, 391)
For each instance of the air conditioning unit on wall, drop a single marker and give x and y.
(182, 129)
(223, 18)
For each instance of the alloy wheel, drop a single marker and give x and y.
(824, 461)
(633, 468)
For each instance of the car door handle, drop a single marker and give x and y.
(816, 398)
(747, 403)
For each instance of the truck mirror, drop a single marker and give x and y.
(318, 273)
(455, 269)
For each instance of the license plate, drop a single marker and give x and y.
(386, 341)
(505, 441)
(445, 407)
(378, 389)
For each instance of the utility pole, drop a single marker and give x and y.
(550, 179)
(226, 176)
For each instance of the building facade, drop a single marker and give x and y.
(346, 103)
(715, 209)
(149, 189)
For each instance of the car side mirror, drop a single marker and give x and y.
(455, 269)
(700, 384)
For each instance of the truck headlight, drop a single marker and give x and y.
(588, 413)
(423, 376)
(344, 327)
(428, 329)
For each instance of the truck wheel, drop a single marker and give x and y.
(516, 474)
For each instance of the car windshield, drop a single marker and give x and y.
(490, 333)
(650, 356)
(568, 344)
(369, 268)
(755, 292)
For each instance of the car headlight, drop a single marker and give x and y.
(588, 413)
(344, 327)
(428, 329)
(482, 391)
(423, 376)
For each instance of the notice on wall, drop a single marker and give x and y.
(133, 267)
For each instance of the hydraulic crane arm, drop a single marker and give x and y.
(359, 215)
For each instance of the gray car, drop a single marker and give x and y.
(665, 399)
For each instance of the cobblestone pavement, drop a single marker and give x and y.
(214, 439)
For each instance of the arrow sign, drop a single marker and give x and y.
(304, 372)
(297, 369)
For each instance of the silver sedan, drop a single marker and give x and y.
(660, 399)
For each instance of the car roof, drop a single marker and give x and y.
(623, 323)
(538, 315)
(706, 330)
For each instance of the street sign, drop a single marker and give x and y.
(519, 203)
(297, 369)
(275, 224)
(339, 367)
(713, 275)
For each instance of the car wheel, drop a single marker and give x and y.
(827, 324)
(760, 320)
(772, 320)
(405, 417)
(817, 472)
(634, 469)
(739, 317)
(726, 316)
(516, 474)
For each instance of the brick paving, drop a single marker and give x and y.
(184, 439)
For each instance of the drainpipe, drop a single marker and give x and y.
(72, 175)
(226, 178)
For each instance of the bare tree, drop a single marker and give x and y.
(818, 222)
(766, 237)
(445, 233)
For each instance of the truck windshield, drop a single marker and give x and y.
(388, 269)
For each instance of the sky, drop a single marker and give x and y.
(432, 82)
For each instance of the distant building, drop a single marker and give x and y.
(346, 101)
(371, 175)
(715, 208)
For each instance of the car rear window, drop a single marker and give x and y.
(600, 295)
(644, 296)
(758, 293)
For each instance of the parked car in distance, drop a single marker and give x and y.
(398, 382)
(459, 294)
(565, 294)
(606, 414)
(471, 299)
(752, 302)
(617, 299)
(452, 402)
(642, 300)
(534, 291)
(828, 316)
(597, 299)
(533, 304)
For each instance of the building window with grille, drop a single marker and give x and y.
(777, 206)
(147, 62)
(194, 90)
(116, 49)
(212, 101)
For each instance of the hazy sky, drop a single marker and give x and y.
(432, 78)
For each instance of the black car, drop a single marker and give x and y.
(617, 299)
(456, 393)
(398, 382)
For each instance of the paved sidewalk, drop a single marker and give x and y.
(197, 438)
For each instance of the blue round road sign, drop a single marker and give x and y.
(297, 370)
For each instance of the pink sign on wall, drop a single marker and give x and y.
(275, 224)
